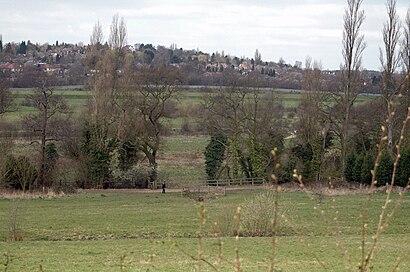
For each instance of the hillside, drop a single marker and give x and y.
(67, 63)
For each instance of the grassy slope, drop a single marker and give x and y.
(91, 231)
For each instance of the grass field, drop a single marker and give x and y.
(93, 230)
(78, 100)
(149, 231)
(181, 159)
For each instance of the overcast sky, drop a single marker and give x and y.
(291, 29)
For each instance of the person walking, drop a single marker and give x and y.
(163, 186)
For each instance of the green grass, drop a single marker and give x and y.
(90, 231)
(78, 99)
(181, 159)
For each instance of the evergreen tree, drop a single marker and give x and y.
(349, 166)
(22, 48)
(128, 155)
(51, 162)
(367, 167)
(357, 169)
(215, 155)
(256, 158)
(97, 147)
(384, 170)
(403, 168)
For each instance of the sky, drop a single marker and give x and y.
(291, 30)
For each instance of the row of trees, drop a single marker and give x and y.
(119, 136)
(122, 126)
(330, 129)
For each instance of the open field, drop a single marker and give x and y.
(181, 159)
(78, 100)
(92, 230)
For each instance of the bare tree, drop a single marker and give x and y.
(118, 33)
(251, 122)
(155, 86)
(353, 46)
(109, 84)
(44, 124)
(97, 36)
(108, 65)
(390, 60)
(226, 114)
(313, 125)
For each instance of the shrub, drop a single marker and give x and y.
(19, 173)
(304, 154)
(15, 219)
(136, 177)
(215, 155)
(97, 148)
(357, 169)
(384, 170)
(403, 168)
(367, 167)
(225, 223)
(51, 161)
(286, 173)
(257, 215)
(128, 155)
(349, 166)
(186, 127)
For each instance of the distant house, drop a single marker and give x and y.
(11, 67)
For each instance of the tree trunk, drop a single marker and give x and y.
(390, 130)
(344, 136)
(41, 172)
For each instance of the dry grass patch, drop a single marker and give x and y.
(5, 194)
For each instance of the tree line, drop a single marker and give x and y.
(118, 138)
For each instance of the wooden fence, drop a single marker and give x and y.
(234, 182)
(215, 183)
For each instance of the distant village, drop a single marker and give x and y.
(67, 63)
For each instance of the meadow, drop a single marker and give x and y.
(78, 100)
(130, 230)
(180, 159)
(150, 231)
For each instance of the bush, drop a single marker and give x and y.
(304, 154)
(225, 223)
(367, 167)
(349, 166)
(97, 148)
(357, 169)
(215, 155)
(257, 215)
(186, 127)
(286, 173)
(19, 173)
(136, 177)
(384, 170)
(403, 168)
(51, 161)
(128, 155)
